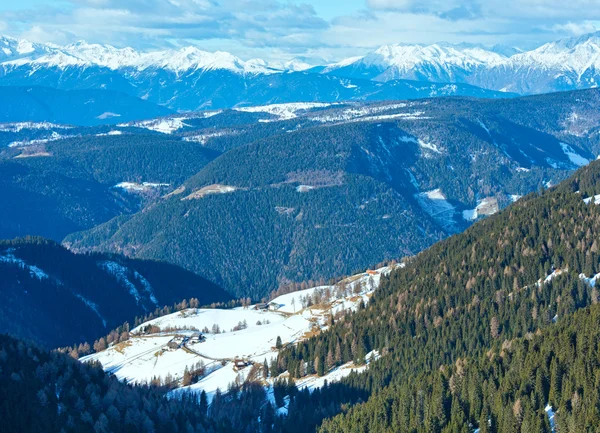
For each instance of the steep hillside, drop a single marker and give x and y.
(493, 329)
(51, 392)
(56, 298)
(541, 383)
(53, 188)
(73, 107)
(337, 188)
(534, 264)
(254, 333)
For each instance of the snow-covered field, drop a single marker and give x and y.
(487, 206)
(284, 111)
(164, 125)
(434, 202)
(248, 333)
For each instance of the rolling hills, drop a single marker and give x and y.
(333, 189)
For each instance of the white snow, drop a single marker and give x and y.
(210, 189)
(401, 61)
(93, 306)
(140, 187)
(555, 273)
(190, 58)
(204, 138)
(434, 202)
(574, 157)
(358, 111)
(53, 137)
(35, 272)
(165, 126)
(19, 126)
(313, 382)
(304, 188)
(486, 206)
(109, 133)
(591, 281)
(550, 413)
(595, 199)
(144, 357)
(284, 111)
(423, 144)
(120, 273)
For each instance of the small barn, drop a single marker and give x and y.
(274, 306)
(261, 307)
(173, 345)
(196, 337)
(240, 364)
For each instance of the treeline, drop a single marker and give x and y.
(532, 384)
(122, 333)
(468, 294)
(51, 392)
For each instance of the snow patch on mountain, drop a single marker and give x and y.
(165, 126)
(20, 126)
(53, 137)
(35, 272)
(595, 199)
(573, 156)
(93, 306)
(121, 272)
(423, 144)
(204, 138)
(435, 204)
(284, 111)
(140, 187)
(485, 207)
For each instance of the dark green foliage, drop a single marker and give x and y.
(250, 241)
(369, 180)
(441, 307)
(51, 392)
(71, 188)
(504, 391)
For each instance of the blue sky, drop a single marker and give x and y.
(283, 29)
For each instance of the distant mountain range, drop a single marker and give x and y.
(192, 79)
(563, 65)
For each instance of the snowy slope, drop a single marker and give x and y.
(84, 55)
(436, 62)
(242, 333)
(570, 63)
(565, 64)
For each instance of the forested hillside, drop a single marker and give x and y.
(336, 189)
(57, 298)
(51, 392)
(506, 277)
(543, 382)
(55, 188)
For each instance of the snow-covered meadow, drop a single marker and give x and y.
(244, 333)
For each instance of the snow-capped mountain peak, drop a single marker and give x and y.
(80, 53)
(578, 54)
